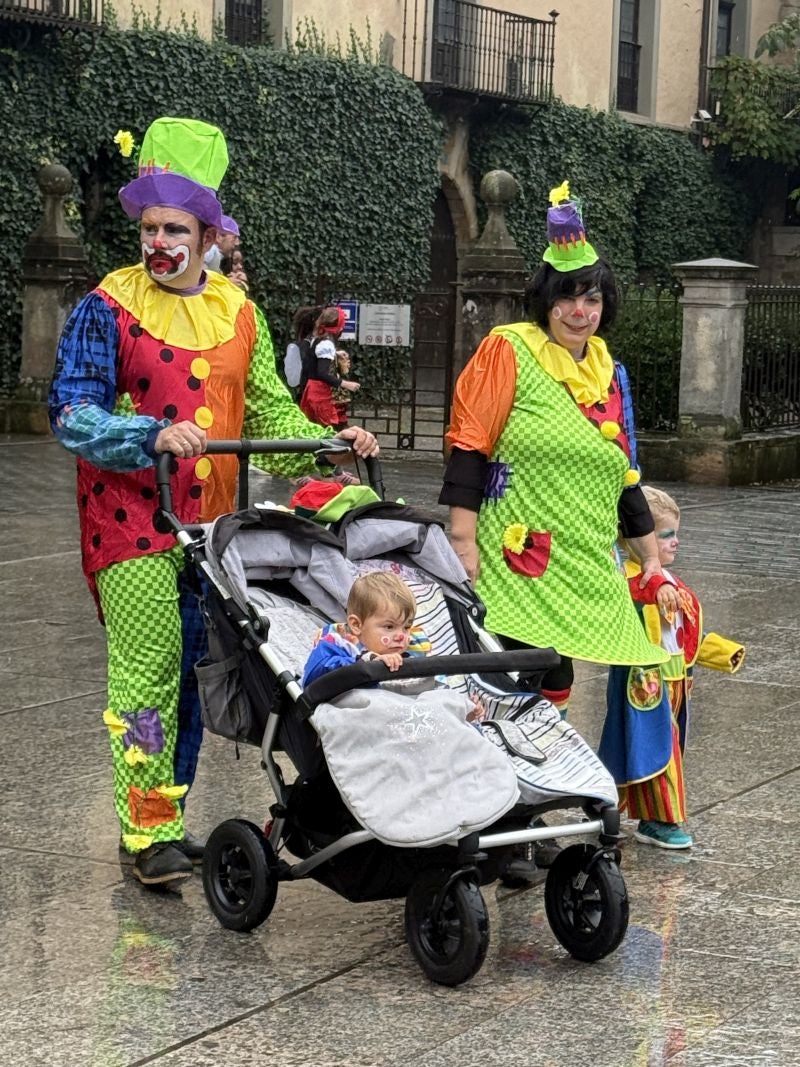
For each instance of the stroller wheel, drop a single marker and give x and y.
(239, 875)
(450, 940)
(586, 902)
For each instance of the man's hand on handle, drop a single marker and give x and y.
(182, 439)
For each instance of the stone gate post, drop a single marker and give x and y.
(54, 272)
(714, 303)
(493, 269)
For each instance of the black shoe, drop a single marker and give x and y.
(192, 847)
(544, 852)
(160, 863)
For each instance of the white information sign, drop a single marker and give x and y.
(384, 324)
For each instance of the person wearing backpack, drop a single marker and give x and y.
(303, 322)
(321, 380)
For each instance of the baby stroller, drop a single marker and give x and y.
(270, 579)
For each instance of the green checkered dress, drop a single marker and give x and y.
(547, 527)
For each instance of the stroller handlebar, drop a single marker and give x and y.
(245, 447)
(361, 674)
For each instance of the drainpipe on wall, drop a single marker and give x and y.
(705, 39)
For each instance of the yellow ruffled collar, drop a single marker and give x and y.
(587, 380)
(205, 320)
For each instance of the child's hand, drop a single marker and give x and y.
(350, 387)
(393, 660)
(668, 601)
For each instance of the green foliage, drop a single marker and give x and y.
(650, 197)
(756, 101)
(333, 160)
(783, 36)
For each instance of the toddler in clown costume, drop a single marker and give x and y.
(644, 736)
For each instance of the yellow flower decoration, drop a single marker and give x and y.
(609, 429)
(632, 477)
(514, 537)
(561, 192)
(124, 139)
(172, 792)
(136, 842)
(134, 755)
(114, 723)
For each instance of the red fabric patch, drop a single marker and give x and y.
(314, 494)
(532, 561)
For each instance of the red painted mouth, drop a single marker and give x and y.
(160, 263)
(532, 561)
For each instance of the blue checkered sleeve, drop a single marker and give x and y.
(627, 411)
(84, 391)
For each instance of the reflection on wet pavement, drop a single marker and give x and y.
(96, 972)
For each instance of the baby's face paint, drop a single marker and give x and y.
(383, 632)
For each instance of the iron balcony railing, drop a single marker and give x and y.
(84, 13)
(466, 47)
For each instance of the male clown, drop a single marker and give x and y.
(161, 357)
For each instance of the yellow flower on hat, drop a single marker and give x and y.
(561, 192)
(124, 139)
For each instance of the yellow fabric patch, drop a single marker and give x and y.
(200, 368)
(204, 418)
(134, 755)
(136, 842)
(203, 467)
(172, 792)
(587, 380)
(631, 477)
(609, 430)
(114, 723)
(205, 320)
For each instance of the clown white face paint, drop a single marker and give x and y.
(163, 264)
(172, 248)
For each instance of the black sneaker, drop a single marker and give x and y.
(192, 847)
(160, 863)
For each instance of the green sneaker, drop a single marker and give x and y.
(662, 835)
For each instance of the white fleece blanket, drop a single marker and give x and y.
(411, 769)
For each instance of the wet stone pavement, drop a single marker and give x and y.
(97, 972)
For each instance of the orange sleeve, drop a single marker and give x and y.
(483, 397)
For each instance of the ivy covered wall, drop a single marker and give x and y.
(333, 160)
(651, 198)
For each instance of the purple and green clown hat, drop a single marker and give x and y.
(567, 247)
(181, 164)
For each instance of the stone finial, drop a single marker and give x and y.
(53, 237)
(498, 190)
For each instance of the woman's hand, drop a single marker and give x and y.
(350, 387)
(467, 552)
(182, 439)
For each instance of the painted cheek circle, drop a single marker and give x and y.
(594, 317)
(556, 313)
(386, 641)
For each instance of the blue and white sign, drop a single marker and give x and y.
(350, 308)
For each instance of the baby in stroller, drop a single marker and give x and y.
(380, 625)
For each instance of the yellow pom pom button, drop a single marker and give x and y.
(203, 467)
(609, 430)
(203, 418)
(200, 368)
(632, 477)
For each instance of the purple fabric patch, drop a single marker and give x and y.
(144, 730)
(498, 479)
(168, 189)
(564, 223)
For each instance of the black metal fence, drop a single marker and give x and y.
(771, 365)
(628, 76)
(86, 13)
(647, 338)
(463, 46)
(244, 22)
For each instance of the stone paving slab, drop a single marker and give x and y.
(96, 972)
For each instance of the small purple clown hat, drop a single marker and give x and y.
(567, 247)
(230, 225)
(181, 164)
